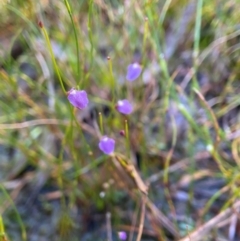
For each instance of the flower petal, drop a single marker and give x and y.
(124, 107)
(78, 98)
(122, 235)
(133, 72)
(106, 145)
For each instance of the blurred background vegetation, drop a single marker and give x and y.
(184, 134)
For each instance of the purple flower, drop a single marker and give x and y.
(106, 145)
(78, 98)
(122, 235)
(133, 72)
(124, 107)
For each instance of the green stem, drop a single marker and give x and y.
(127, 138)
(145, 35)
(23, 230)
(197, 35)
(76, 41)
(90, 32)
(100, 122)
(197, 31)
(2, 230)
(164, 11)
(52, 57)
(166, 82)
(112, 79)
(82, 136)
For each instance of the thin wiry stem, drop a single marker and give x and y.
(52, 57)
(76, 41)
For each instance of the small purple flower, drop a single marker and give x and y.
(78, 98)
(122, 235)
(124, 107)
(106, 145)
(133, 71)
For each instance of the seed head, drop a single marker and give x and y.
(122, 133)
(40, 24)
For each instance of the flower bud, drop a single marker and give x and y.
(106, 145)
(78, 98)
(133, 72)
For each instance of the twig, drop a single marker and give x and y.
(134, 222)
(161, 219)
(109, 226)
(179, 165)
(37, 122)
(147, 231)
(137, 183)
(208, 226)
(141, 224)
